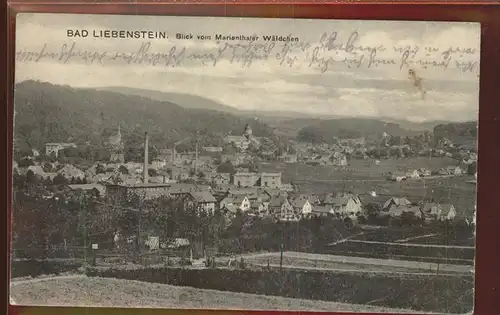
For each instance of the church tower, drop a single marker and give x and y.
(248, 131)
(117, 148)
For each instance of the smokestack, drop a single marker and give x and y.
(146, 158)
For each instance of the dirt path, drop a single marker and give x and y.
(415, 238)
(413, 245)
(367, 270)
(371, 263)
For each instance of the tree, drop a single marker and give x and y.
(47, 167)
(226, 167)
(124, 170)
(311, 134)
(100, 169)
(59, 179)
(31, 177)
(152, 172)
(25, 162)
(19, 181)
(230, 148)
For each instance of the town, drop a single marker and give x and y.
(229, 180)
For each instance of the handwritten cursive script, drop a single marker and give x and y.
(330, 52)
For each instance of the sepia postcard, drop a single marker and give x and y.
(245, 163)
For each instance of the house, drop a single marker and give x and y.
(244, 141)
(120, 192)
(212, 149)
(398, 176)
(260, 207)
(339, 159)
(424, 172)
(287, 187)
(204, 201)
(54, 148)
(271, 180)
(289, 158)
(399, 202)
(439, 211)
(321, 211)
(413, 174)
(69, 171)
(204, 161)
(240, 202)
(334, 159)
(221, 179)
(37, 170)
(302, 206)
(184, 158)
(457, 171)
(159, 162)
(397, 211)
(245, 179)
(282, 209)
(344, 204)
(95, 190)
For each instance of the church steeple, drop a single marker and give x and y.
(248, 131)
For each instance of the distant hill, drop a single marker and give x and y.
(199, 102)
(53, 113)
(183, 100)
(327, 130)
(459, 133)
(285, 123)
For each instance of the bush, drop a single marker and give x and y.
(409, 292)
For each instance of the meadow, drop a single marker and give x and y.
(107, 292)
(364, 177)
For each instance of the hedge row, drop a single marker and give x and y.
(34, 268)
(417, 292)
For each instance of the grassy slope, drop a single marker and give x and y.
(125, 293)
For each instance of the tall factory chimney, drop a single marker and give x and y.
(146, 158)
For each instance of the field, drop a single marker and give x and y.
(357, 169)
(363, 177)
(414, 235)
(83, 291)
(353, 264)
(416, 244)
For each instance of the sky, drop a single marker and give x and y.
(381, 90)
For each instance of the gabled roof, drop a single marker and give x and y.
(322, 209)
(277, 201)
(178, 242)
(235, 199)
(298, 203)
(427, 207)
(230, 208)
(446, 208)
(339, 199)
(397, 202)
(183, 188)
(203, 197)
(99, 187)
(69, 170)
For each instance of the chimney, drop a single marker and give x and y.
(146, 157)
